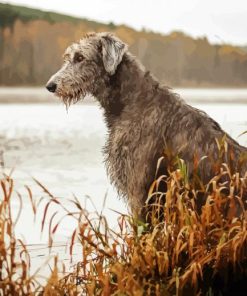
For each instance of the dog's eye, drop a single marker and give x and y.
(78, 58)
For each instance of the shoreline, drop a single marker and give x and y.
(39, 95)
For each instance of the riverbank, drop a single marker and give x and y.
(39, 95)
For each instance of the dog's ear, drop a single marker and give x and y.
(113, 50)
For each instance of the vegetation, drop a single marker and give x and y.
(182, 251)
(10, 13)
(32, 43)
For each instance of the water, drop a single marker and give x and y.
(63, 150)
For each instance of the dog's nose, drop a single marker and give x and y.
(51, 87)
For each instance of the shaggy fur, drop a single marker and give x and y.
(144, 119)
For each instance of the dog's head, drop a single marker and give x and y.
(93, 58)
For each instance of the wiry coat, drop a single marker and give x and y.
(144, 119)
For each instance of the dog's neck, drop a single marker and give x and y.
(128, 86)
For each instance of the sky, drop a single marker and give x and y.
(221, 21)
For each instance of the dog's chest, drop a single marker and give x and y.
(121, 150)
(128, 149)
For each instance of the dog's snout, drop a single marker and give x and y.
(51, 86)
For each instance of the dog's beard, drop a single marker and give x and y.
(71, 97)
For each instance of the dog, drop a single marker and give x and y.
(143, 118)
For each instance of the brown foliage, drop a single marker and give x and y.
(181, 251)
(32, 51)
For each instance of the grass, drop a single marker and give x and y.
(182, 251)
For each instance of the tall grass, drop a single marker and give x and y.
(182, 251)
(15, 278)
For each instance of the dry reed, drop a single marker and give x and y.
(181, 251)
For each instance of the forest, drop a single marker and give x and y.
(32, 43)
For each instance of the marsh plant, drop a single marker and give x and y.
(183, 249)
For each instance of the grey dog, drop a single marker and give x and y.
(143, 117)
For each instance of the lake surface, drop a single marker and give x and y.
(64, 150)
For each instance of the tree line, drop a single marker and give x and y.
(32, 43)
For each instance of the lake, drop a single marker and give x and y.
(63, 150)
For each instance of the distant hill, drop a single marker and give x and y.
(32, 42)
(10, 13)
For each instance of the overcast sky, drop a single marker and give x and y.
(219, 20)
